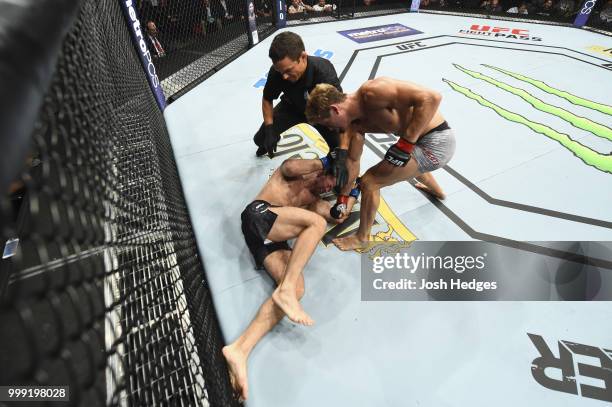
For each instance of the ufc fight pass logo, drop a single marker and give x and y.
(500, 32)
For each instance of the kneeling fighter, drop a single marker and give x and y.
(288, 207)
(385, 105)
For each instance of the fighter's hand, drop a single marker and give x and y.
(340, 208)
(338, 167)
(270, 140)
(399, 153)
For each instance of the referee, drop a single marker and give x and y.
(294, 74)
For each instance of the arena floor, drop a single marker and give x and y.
(533, 119)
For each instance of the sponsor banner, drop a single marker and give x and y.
(585, 13)
(280, 10)
(500, 32)
(486, 271)
(251, 23)
(378, 33)
(137, 33)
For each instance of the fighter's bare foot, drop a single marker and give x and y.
(351, 242)
(425, 188)
(288, 302)
(237, 364)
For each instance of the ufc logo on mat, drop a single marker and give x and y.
(568, 374)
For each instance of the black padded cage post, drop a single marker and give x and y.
(342, 6)
(106, 293)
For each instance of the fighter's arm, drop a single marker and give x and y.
(323, 207)
(424, 103)
(337, 166)
(345, 138)
(355, 150)
(295, 167)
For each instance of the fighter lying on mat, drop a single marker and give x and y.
(384, 105)
(287, 207)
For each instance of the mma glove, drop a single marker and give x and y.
(341, 205)
(338, 167)
(399, 153)
(270, 139)
(326, 162)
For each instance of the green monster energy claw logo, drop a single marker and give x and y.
(602, 162)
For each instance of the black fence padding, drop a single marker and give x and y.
(107, 293)
(31, 33)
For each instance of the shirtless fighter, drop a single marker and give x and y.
(288, 206)
(385, 105)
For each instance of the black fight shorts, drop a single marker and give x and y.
(257, 220)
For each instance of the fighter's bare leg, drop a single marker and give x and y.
(309, 228)
(379, 176)
(427, 183)
(237, 353)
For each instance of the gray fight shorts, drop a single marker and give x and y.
(434, 149)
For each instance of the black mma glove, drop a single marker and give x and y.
(270, 139)
(399, 153)
(338, 167)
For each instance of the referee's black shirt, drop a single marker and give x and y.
(318, 70)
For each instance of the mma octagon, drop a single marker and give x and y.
(379, 144)
(498, 40)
